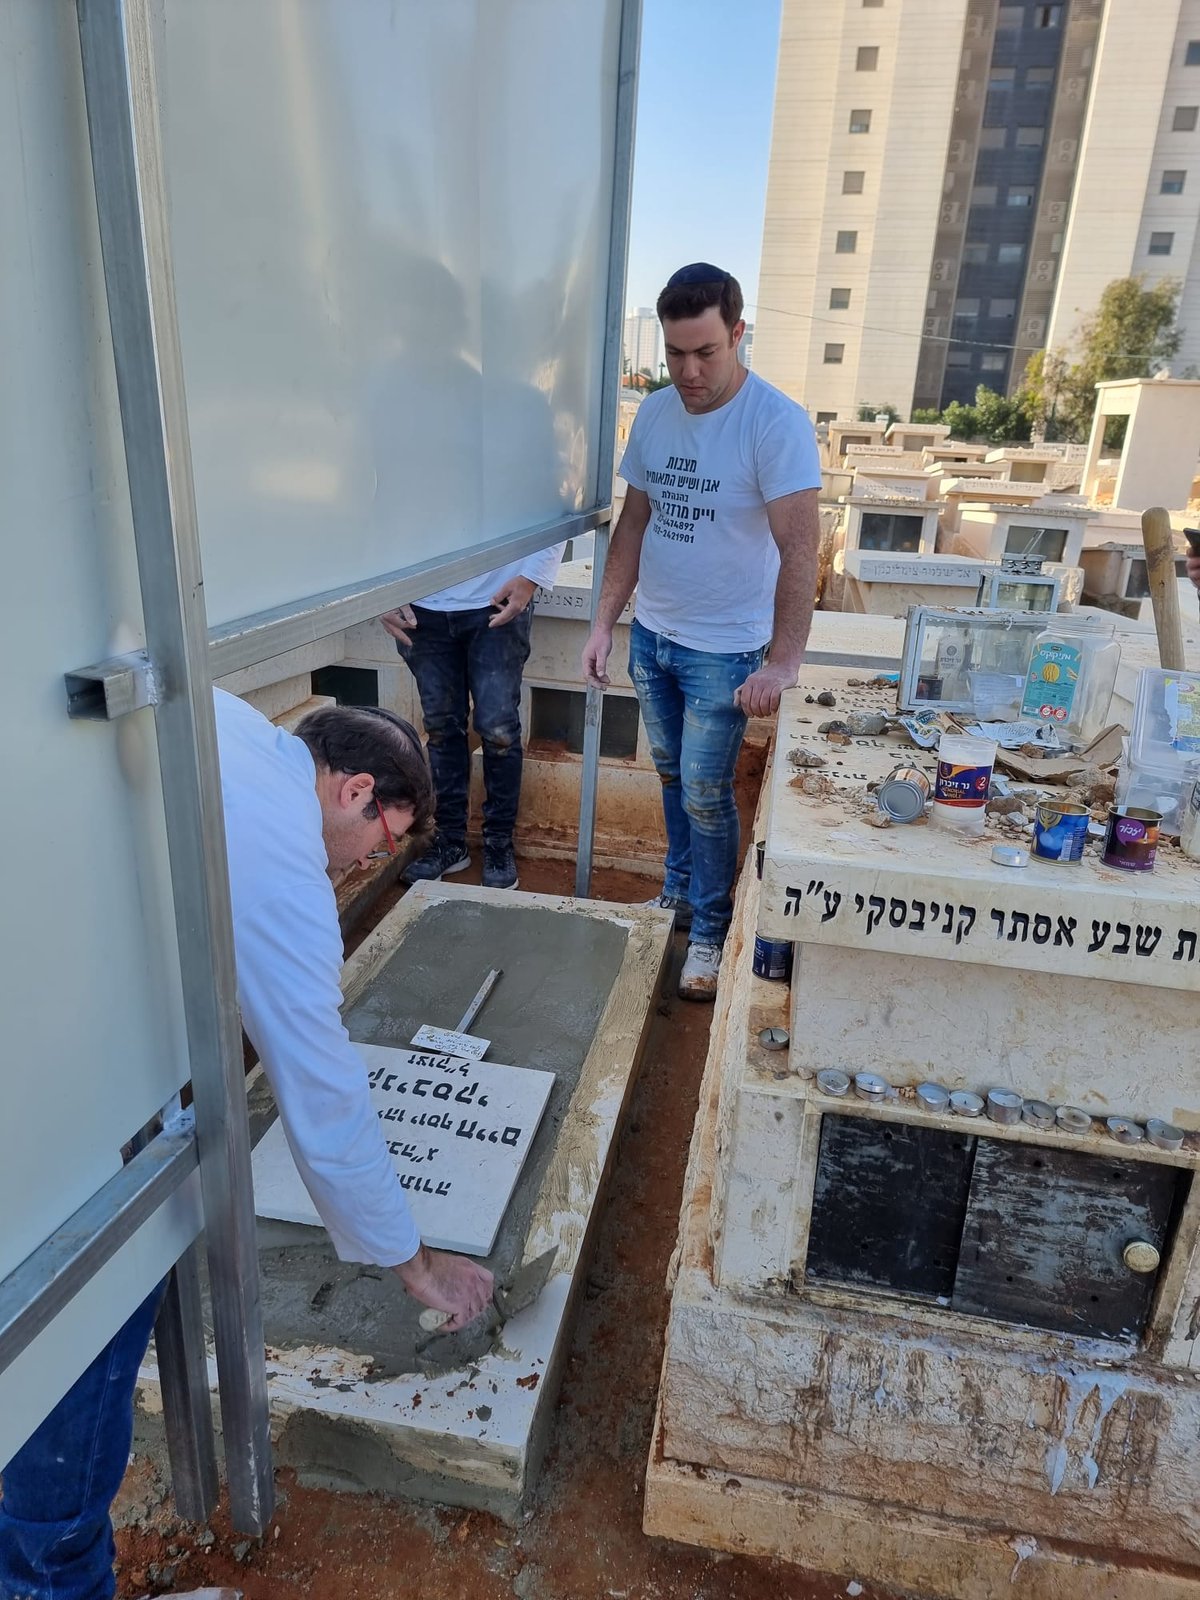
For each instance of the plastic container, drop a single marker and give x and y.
(1071, 674)
(1189, 815)
(1155, 788)
(964, 775)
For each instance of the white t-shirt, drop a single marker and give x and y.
(540, 568)
(289, 957)
(709, 563)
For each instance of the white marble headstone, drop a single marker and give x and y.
(458, 1131)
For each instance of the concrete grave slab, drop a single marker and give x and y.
(349, 1409)
(458, 1132)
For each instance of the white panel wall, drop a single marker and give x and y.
(390, 224)
(90, 1022)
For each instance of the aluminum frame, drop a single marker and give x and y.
(610, 391)
(116, 43)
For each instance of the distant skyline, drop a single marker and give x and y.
(705, 93)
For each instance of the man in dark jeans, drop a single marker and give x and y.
(467, 647)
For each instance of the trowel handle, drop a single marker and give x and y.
(1159, 544)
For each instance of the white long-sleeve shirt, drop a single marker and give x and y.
(540, 568)
(289, 955)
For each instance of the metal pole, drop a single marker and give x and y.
(610, 391)
(122, 109)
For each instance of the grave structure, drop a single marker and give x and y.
(947, 1354)
(350, 1408)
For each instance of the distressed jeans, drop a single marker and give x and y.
(56, 1537)
(695, 732)
(460, 663)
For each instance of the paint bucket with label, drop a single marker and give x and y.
(773, 959)
(903, 793)
(1132, 838)
(1059, 831)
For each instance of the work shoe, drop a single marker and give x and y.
(499, 865)
(698, 980)
(443, 857)
(671, 902)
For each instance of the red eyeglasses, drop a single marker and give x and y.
(389, 841)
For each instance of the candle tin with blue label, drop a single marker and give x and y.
(1059, 831)
(773, 959)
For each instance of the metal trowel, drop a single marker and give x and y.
(441, 1352)
(457, 1041)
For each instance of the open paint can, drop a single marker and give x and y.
(1132, 838)
(1059, 830)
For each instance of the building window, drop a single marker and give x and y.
(839, 299)
(1002, 308)
(1184, 120)
(1002, 77)
(958, 358)
(834, 354)
(1039, 77)
(1191, 56)
(1019, 195)
(1030, 138)
(852, 182)
(983, 194)
(1009, 17)
(966, 308)
(974, 254)
(1160, 244)
(1047, 16)
(867, 58)
(1173, 180)
(1008, 255)
(826, 416)
(992, 361)
(869, 5)
(992, 138)
(847, 242)
(860, 122)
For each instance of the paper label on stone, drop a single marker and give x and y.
(451, 1042)
(458, 1131)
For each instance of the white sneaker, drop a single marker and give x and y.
(698, 980)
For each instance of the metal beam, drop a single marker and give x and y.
(33, 1294)
(610, 394)
(187, 1403)
(127, 165)
(234, 645)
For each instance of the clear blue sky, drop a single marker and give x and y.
(705, 94)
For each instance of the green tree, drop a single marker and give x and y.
(962, 420)
(1001, 419)
(926, 414)
(1131, 334)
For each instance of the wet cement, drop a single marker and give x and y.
(559, 968)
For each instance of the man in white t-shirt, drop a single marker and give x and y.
(719, 534)
(467, 646)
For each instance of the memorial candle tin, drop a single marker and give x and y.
(1131, 839)
(1059, 830)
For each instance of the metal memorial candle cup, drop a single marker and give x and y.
(1059, 830)
(1131, 839)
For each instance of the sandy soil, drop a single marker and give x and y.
(582, 1538)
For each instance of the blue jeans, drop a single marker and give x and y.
(458, 663)
(56, 1537)
(695, 732)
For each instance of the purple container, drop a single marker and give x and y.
(1132, 838)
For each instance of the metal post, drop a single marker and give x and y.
(610, 391)
(183, 1375)
(126, 144)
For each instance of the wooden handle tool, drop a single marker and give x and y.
(1164, 591)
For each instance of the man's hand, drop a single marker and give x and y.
(595, 657)
(512, 600)
(447, 1283)
(1193, 569)
(759, 695)
(400, 623)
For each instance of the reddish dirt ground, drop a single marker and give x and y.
(582, 1537)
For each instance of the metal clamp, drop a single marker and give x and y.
(111, 688)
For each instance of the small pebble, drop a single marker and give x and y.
(827, 698)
